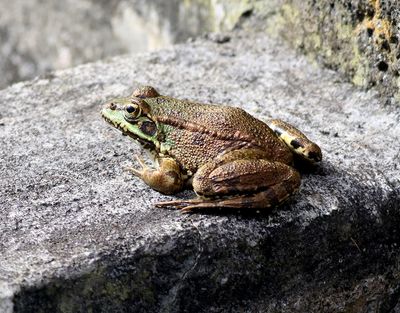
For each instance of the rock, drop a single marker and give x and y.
(78, 233)
(359, 38)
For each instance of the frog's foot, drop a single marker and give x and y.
(296, 140)
(275, 195)
(183, 205)
(138, 172)
(189, 206)
(192, 205)
(166, 179)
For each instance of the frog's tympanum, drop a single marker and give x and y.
(230, 158)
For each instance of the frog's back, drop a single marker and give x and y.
(206, 130)
(220, 119)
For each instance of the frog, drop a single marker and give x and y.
(228, 157)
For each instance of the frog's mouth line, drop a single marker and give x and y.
(125, 132)
(117, 125)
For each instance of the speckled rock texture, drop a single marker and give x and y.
(80, 234)
(359, 38)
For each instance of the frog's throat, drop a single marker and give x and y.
(118, 121)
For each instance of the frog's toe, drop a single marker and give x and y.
(141, 161)
(138, 172)
(178, 204)
(199, 206)
(189, 206)
(189, 209)
(167, 204)
(134, 171)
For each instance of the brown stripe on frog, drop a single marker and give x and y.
(193, 127)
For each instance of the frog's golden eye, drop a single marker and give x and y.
(130, 109)
(132, 112)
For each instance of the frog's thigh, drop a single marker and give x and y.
(166, 179)
(260, 182)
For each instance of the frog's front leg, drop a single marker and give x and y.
(240, 183)
(167, 178)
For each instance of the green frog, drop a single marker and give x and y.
(228, 157)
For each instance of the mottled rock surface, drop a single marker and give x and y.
(79, 234)
(359, 38)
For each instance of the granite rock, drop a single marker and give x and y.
(78, 233)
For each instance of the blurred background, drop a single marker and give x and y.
(358, 38)
(38, 36)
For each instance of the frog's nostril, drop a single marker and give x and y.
(113, 106)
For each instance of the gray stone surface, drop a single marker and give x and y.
(78, 233)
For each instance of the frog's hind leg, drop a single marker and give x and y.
(251, 183)
(295, 140)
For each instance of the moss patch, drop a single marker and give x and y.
(357, 39)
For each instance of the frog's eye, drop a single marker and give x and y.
(132, 112)
(130, 109)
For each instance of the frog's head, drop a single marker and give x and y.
(132, 116)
